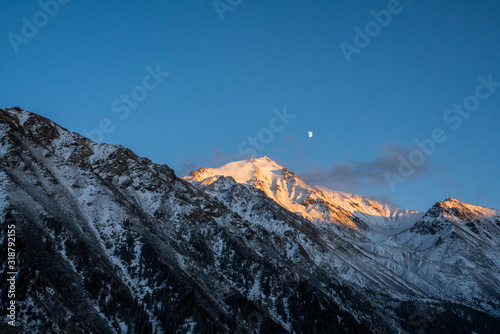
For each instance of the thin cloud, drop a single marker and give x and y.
(361, 175)
(186, 167)
(481, 195)
(220, 158)
(216, 159)
(385, 199)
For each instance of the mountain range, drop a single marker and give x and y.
(110, 242)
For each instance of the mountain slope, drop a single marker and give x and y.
(461, 240)
(109, 242)
(449, 252)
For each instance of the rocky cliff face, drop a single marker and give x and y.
(109, 242)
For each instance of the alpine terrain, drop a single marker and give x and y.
(101, 240)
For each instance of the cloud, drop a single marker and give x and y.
(216, 159)
(360, 175)
(186, 166)
(220, 158)
(385, 199)
(481, 195)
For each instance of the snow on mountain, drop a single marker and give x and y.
(109, 241)
(457, 247)
(434, 250)
(3, 194)
(311, 202)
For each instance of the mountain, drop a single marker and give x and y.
(109, 242)
(315, 203)
(451, 251)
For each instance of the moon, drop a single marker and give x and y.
(310, 134)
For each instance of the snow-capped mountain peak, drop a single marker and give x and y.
(462, 210)
(311, 202)
(245, 171)
(452, 209)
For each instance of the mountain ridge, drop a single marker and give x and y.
(255, 172)
(135, 248)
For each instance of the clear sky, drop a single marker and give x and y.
(87, 65)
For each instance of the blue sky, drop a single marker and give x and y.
(227, 76)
